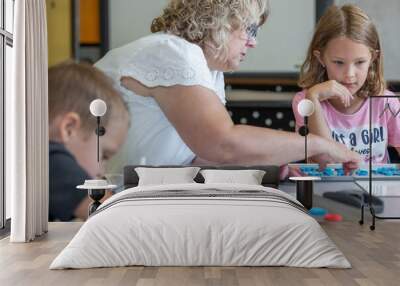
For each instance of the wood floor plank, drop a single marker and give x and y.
(375, 258)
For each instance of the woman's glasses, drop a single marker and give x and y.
(251, 31)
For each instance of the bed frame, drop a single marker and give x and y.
(270, 179)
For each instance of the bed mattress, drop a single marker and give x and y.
(201, 225)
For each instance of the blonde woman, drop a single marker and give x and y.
(343, 68)
(173, 80)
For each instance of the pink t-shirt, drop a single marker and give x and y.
(353, 129)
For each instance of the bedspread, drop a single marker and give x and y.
(201, 224)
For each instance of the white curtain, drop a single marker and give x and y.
(27, 124)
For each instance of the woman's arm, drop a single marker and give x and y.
(206, 127)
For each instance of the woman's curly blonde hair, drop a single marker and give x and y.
(210, 22)
(352, 22)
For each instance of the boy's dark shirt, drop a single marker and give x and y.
(65, 174)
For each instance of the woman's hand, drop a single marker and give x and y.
(338, 153)
(330, 89)
(135, 86)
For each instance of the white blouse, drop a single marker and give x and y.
(157, 60)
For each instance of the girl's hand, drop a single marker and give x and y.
(330, 89)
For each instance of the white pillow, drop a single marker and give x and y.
(162, 176)
(248, 177)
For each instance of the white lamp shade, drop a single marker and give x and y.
(305, 107)
(98, 107)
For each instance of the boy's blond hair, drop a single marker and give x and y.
(352, 22)
(73, 86)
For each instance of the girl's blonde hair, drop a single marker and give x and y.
(349, 21)
(210, 22)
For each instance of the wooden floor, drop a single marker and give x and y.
(375, 257)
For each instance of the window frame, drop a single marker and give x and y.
(6, 39)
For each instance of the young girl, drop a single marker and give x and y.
(344, 66)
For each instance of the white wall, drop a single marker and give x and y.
(386, 16)
(131, 19)
(282, 42)
(284, 38)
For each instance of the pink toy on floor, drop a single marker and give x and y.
(333, 217)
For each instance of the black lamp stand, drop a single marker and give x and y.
(96, 195)
(304, 188)
(100, 131)
(303, 131)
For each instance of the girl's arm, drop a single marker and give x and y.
(206, 127)
(316, 122)
(325, 91)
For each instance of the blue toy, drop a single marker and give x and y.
(336, 170)
(340, 172)
(361, 172)
(318, 212)
(329, 172)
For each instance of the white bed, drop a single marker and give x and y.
(203, 225)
